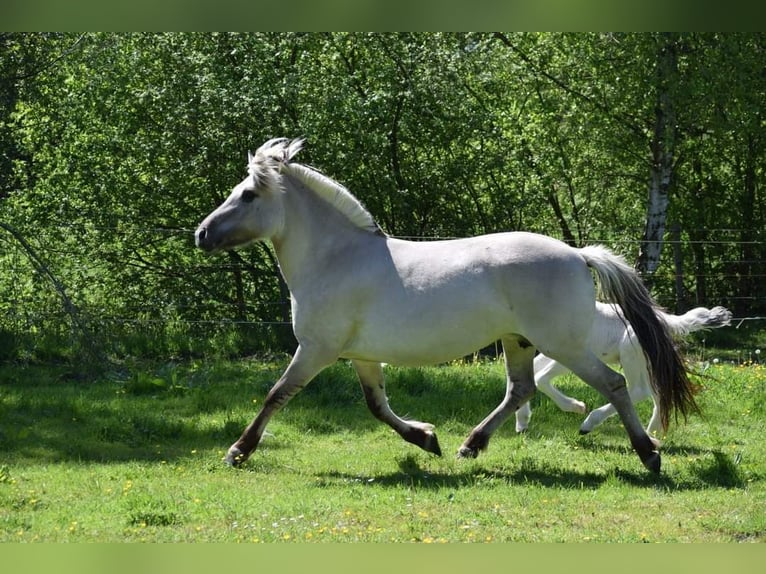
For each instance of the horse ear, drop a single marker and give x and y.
(250, 157)
(293, 148)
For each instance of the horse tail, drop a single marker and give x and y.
(619, 283)
(696, 319)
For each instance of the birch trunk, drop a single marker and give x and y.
(662, 160)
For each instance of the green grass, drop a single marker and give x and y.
(136, 456)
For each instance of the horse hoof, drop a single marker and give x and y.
(431, 444)
(234, 457)
(466, 452)
(584, 431)
(422, 435)
(653, 462)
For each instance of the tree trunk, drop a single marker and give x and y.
(748, 256)
(678, 266)
(663, 151)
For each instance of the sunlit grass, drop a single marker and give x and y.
(136, 456)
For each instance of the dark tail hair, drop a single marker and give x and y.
(619, 283)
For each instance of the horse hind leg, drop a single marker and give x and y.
(520, 387)
(373, 385)
(612, 385)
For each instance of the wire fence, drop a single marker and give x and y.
(737, 283)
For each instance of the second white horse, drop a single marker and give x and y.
(614, 342)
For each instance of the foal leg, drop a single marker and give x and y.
(597, 416)
(374, 387)
(520, 386)
(633, 362)
(640, 386)
(304, 366)
(550, 370)
(546, 369)
(522, 417)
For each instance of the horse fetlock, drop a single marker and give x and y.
(588, 424)
(578, 407)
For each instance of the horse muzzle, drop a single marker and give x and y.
(203, 239)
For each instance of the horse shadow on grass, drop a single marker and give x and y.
(717, 471)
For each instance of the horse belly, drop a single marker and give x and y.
(428, 333)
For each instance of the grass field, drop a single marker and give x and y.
(136, 456)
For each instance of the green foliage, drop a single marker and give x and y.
(116, 145)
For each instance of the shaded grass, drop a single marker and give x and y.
(136, 456)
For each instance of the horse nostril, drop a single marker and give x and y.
(200, 236)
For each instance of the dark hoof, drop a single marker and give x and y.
(473, 445)
(653, 462)
(583, 432)
(431, 444)
(466, 452)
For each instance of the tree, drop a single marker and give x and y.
(609, 138)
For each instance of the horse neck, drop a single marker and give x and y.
(313, 234)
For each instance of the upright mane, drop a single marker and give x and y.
(274, 157)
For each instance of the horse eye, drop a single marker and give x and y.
(248, 195)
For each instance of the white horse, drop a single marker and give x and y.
(359, 294)
(614, 341)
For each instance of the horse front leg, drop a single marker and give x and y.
(305, 365)
(520, 387)
(374, 387)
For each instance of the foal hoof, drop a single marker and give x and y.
(234, 457)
